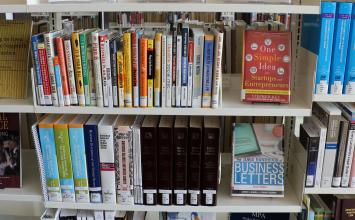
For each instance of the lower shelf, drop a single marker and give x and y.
(332, 190)
(225, 203)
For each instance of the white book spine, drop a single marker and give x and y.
(322, 139)
(97, 68)
(217, 69)
(48, 39)
(348, 160)
(178, 70)
(108, 71)
(107, 164)
(99, 215)
(169, 65)
(163, 70)
(328, 166)
(71, 73)
(198, 70)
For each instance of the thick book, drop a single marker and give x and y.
(61, 136)
(165, 160)
(194, 157)
(266, 67)
(45, 73)
(137, 184)
(38, 38)
(184, 63)
(198, 36)
(157, 69)
(75, 40)
(329, 114)
(107, 158)
(317, 37)
(346, 208)
(210, 160)
(217, 68)
(349, 78)
(49, 153)
(92, 158)
(207, 70)
(247, 181)
(70, 70)
(59, 51)
(124, 159)
(149, 138)
(309, 138)
(340, 158)
(97, 67)
(128, 69)
(340, 47)
(78, 156)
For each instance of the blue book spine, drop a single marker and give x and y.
(77, 150)
(328, 10)
(349, 80)
(184, 65)
(36, 65)
(93, 163)
(58, 80)
(207, 72)
(340, 47)
(50, 162)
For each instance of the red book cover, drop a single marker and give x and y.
(44, 69)
(59, 43)
(266, 67)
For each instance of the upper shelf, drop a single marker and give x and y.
(13, 6)
(333, 98)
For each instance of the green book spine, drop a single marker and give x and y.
(85, 67)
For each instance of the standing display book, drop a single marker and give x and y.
(251, 175)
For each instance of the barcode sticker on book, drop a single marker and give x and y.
(209, 196)
(150, 198)
(179, 199)
(165, 198)
(322, 87)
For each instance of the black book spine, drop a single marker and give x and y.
(194, 166)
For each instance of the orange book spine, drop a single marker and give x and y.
(143, 72)
(59, 43)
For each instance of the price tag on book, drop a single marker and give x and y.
(209, 196)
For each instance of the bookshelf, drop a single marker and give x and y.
(343, 191)
(14, 6)
(333, 98)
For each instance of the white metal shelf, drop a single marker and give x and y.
(14, 6)
(333, 98)
(225, 203)
(17, 105)
(332, 190)
(31, 187)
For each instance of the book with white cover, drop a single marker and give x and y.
(199, 39)
(137, 166)
(169, 65)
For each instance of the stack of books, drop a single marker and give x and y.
(129, 159)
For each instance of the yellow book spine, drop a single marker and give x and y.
(78, 68)
(121, 78)
(157, 70)
(128, 69)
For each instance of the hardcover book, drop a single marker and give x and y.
(137, 185)
(349, 79)
(250, 176)
(259, 216)
(266, 67)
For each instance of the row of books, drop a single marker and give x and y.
(129, 159)
(323, 207)
(180, 67)
(331, 36)
(328, 136)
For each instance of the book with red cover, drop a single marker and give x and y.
(149, 136)
(210, 160)
(180, 159)
(266, 67)
(165, 160)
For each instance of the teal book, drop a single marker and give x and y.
(85, 65)
(244, 141)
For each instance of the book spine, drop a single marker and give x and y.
(340, 47)
(97, 68)
(173, 69)
(85, 67)
(137, 186)
(348, 158)
(106, 70)
(59, 42)
(64, 163)
(198, 71)
(194, 166)
(120, 77)
(48, 40)
(217, 70)
(46, 135)
(70, 71)
(37, 68)
(93, 162)
(328, 10)
(114, 77)
(77, 151)
(149, 165)
(128, 69)
(78, 68)
(150, 71)
(165, 165)
(163, 73)
(157, 69)
(349, 80)
(207, 71)
(143, 72)
(92, 76)
(107, 164)
(178, 70)
(190, 72)
(320, 159)
(169, 66)
(45, 74)
(58, 81)
(338, 168)
(184, 65)
(135, 64)
(180, 165)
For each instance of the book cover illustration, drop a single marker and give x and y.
(260, 174)
(10, 161)
(266, 67)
